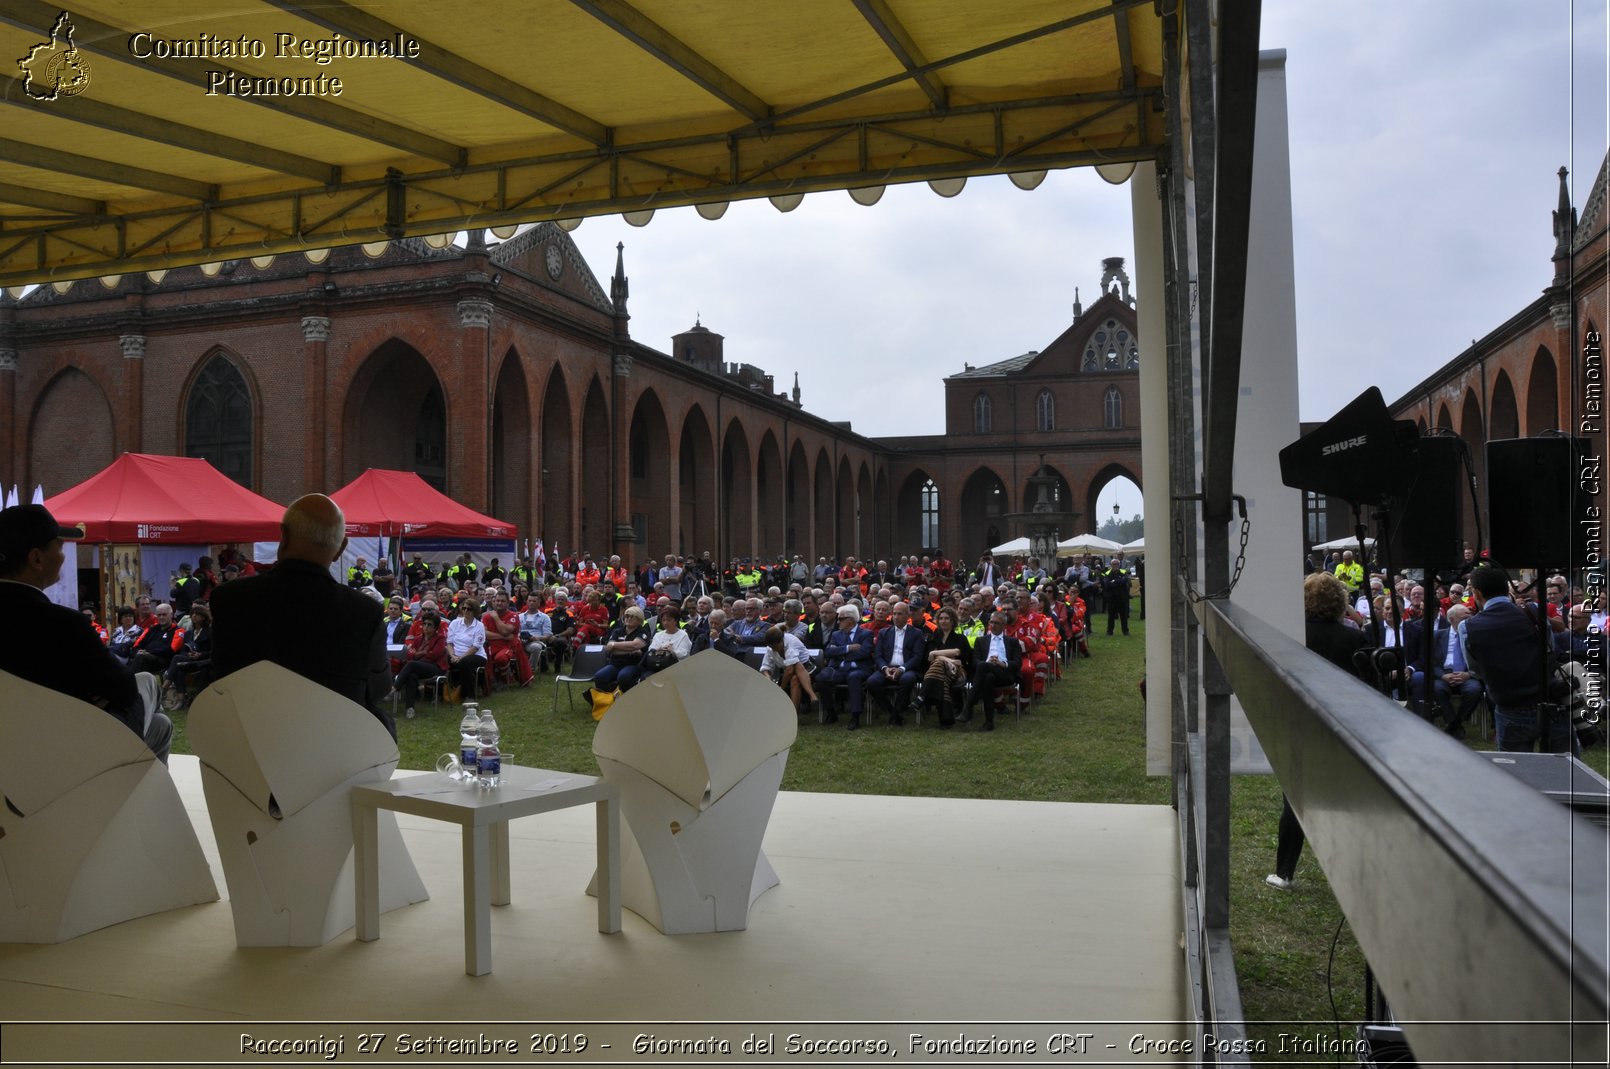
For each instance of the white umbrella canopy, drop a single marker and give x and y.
(1137, 548)
(1016, 545)
(1345, 543)
(1088, 543)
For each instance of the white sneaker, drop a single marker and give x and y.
(1275, 881)
(410, 713)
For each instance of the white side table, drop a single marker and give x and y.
(484, 816)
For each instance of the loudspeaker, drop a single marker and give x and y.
(1531, 483)
(1355, 455)
(1425, 516)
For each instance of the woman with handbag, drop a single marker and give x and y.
(950, 663)
(670, 646)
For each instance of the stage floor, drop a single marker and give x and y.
(967, 915)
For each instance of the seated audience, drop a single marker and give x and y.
(466, 647)
(623, 650)
(424, 658)
(154, 649)
(192, 661)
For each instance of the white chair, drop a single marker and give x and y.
(698, 752)
(91, 835)
(279, 757)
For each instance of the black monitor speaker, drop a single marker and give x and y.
(1531, 484)
(1355, 455)
(1425, 515)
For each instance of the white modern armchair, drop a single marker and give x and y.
(279, 757)
(92, 831)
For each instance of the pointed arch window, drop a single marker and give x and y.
(1045, 411)
(930, 515)
(981, 414)
(1112, 409)
(218, 420)
(430, 440)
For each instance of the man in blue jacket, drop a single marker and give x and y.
(849, 656)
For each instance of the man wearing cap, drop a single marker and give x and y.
(327, 632)
(62, 652)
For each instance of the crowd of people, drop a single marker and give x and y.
(832, 635)
(1558, 615)
(1532, 647)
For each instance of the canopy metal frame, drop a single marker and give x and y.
(845, 138)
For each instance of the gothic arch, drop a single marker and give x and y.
(983, 513)
(555, 486)
(219, 416)
(911, 533)
(1474, 433)
(1045, 410)
(844, 544)
(865, 513)
(1503, 417)
(882, 513)
(510, 443)
(797, 538)
(1543, 394)
(769, 494)
(737, 499)
(1093, 516)
(595, 506)
(822, 497)
(71, 432)
(696, 484)
(648, 475)
(395, 416)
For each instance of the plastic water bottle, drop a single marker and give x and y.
(489, 762)
(469, 741)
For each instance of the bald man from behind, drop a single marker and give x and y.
(298, 616)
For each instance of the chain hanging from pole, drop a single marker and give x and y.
(1191, 594)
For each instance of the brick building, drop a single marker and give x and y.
(506, 375)
(1539, 371)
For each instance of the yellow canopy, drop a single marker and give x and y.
(147, 136)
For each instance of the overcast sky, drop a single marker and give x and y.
(1425, 141)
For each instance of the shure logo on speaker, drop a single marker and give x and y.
(1345, 443)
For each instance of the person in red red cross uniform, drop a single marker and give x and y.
(505, 653)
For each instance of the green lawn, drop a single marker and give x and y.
(1084, 743)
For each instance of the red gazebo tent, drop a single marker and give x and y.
(399, 504)
(145, 498)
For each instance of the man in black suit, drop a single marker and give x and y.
(298, 616)
(1503, 648)
(56, 647)
(998, 660)
(897, 662)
